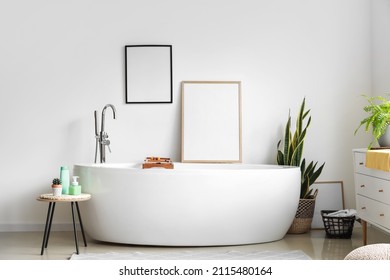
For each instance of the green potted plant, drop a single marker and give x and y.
(56, 187)
(292, 154)
(378, 120)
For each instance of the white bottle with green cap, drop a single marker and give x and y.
(64, 177)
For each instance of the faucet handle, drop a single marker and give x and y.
(107, 143)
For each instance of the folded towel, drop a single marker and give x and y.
(378, 159)
(343, 213)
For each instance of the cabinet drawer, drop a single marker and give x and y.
(373, 211)
(375, 188)
(360, 163)
(360, 167)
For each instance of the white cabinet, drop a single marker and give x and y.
(372, 188)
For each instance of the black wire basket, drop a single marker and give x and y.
(337, 227)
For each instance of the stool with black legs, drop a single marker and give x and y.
(73, 200)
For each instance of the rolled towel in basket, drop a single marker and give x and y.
(343, 213)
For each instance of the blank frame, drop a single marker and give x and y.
(148, 70)
(330, 197)
(211, 121)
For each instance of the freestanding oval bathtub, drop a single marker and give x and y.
(190, 205)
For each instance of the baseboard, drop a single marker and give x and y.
(34, 227)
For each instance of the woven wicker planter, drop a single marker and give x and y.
(303, 216)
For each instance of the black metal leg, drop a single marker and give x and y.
(49, 217)
(81, 224)
(50, 222)
(74, 228)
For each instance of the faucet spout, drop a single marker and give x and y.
(104, 114)
(102, 138)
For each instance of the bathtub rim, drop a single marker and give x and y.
(180, 166)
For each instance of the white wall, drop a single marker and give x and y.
(61, 60)
(381, 47)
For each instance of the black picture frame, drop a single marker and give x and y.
(148, 74)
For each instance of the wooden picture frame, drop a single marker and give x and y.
(211, 121)
(330, 197)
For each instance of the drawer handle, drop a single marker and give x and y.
(381, 190)
(362, 186)
(364, 208)
(382, 215)
(361, 163)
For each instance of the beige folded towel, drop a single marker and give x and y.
(378, 159)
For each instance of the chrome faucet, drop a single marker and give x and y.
(102, 137)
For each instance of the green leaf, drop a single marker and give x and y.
(313, 176)
(280, 158)
(287, 140)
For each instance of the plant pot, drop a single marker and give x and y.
(56, 189)
(384, 140)
(303, 216)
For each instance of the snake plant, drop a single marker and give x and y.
(293, 150)
(379, 117)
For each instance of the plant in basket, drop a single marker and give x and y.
(291, 153)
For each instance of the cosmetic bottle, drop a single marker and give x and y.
(65, 178)
(75, 188)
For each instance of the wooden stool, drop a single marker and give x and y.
(380, 251)
(73, 199)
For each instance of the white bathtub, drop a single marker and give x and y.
(190, 205)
